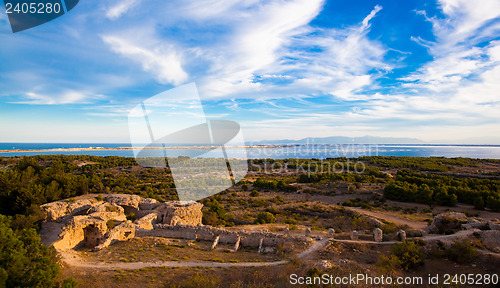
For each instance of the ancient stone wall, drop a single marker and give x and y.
(208, 233)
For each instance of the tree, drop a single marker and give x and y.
(24, 260)
(424, 194)
(479, 203)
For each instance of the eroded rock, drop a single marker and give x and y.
(447, 223)
(378, 235)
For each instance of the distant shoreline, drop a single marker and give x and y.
(114, 148)
(261, 146)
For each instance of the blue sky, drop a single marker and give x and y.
(282, 69)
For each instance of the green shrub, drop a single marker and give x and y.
(265, 217)
(405, 255)
(69, 283)
(461, 251)
(389, 263)
(254, 193)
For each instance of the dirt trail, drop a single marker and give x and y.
(397, 220)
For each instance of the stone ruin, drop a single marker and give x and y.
(401, 235)
(378, 235)
(96, 222)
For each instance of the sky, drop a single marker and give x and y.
(281, 69)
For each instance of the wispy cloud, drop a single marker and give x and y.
(459, 51)
(120, 7)
(161, 60)
(64, 97)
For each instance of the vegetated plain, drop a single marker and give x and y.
(391, 192)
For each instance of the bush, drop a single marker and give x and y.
(265, 217)
(409, 255)
(210, 218)
(389, 263)
(461, 251)
(254, 193)
(69, 283)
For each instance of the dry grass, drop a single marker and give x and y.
(152, 249)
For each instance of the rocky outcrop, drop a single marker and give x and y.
(323, 265)
(130, 203)
(187, 213)
(122, 232)
(491, 239)
(401, 235)
(447, 223)
(81, 230)
(106, 207)
(493, 226)
(148, 204)
(147, 221)
(57, 211)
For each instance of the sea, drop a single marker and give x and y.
(284, 152)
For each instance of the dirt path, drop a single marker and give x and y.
(397, 220)
(314, 247)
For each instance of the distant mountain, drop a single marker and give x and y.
(342, 140)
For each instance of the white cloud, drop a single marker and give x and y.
(64, 97)
(279, 41)
(161, 60)
(456, 51)
(120, 8)
(259, 38)
(257, 44)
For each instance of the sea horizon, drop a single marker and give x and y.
(302, 151)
